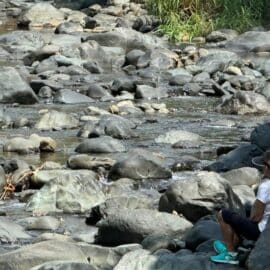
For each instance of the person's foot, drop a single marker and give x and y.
(225, 257)
(219, 247)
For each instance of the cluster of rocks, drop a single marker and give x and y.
(95, 51)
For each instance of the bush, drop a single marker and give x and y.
(184, 19)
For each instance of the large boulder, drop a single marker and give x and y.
(13, 89)
(259, 256)
(140, 164)
(70, 193)
(243, 176)
(260, 136)
(199, 195)
(42, 15)
(133, 225)
(32, 255)
(237, 158)
(251, 41)
(104, 144)
(57, 120)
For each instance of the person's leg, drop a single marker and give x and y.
(229, 236)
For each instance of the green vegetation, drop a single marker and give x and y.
(185, 19)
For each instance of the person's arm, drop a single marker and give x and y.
(257, 211)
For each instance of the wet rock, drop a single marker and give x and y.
(174, 136)
(139, 164)
(260, 136)
(56, 120)
(237, 158)
(45, 92)
(90, 23)
(46, 65)
(13, 89)
(68, 28)
(62, 265)
(10, 232)
(133, 225)
(97, 91)
(103, 144)
(41, 15)
(32, 255)
(87, 162)
(199, 197)
(120, 85)
(148, 92)
(243, 176)
(202, 231)
(179, 80)
(67, 96)
(70, 193)
(145, 23)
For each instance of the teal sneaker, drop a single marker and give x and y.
(224, 258)
(219, 247)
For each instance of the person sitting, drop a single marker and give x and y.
(235, 227)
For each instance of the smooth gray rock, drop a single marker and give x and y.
(70, 193)
(78, 4)
(148, 92)
(237, 158)
(67, 96)
(32, 255)
(68, 28)
(202, 231)
(133, 225)
(133, 56)
(140, 164)
(204, 193)
(84, 161)
(42, 15)
(11, 232)
(103, 144)
(13, 89)
(56, 120)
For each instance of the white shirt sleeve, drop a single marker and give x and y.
(263, 193)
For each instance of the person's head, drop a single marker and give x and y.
(264, 162)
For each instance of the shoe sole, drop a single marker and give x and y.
(228, 262)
